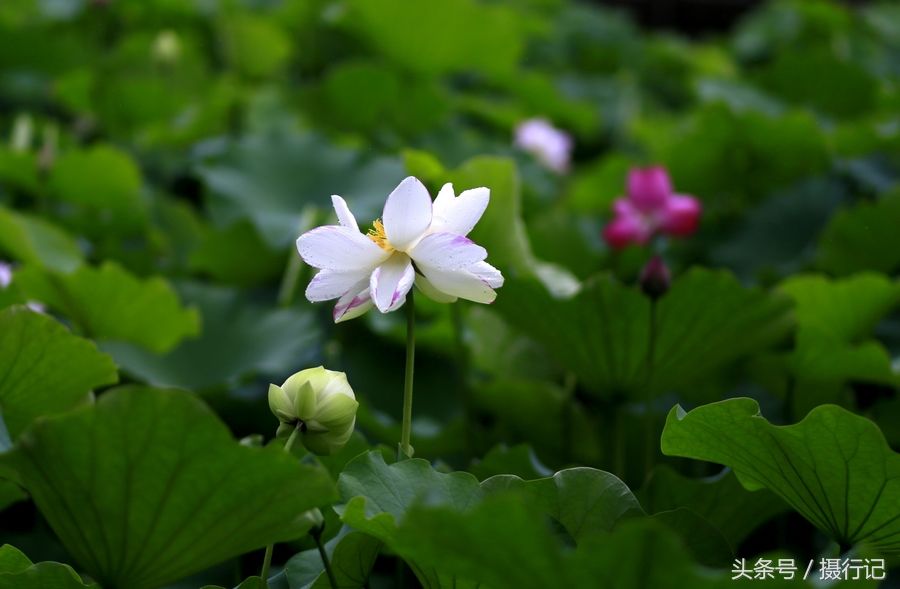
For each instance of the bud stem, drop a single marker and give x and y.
(649, 425)
(317, 536)
(405, 450)
(292, 438)
(267, 559)
(267, 562)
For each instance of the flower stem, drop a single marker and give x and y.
(267, 562)
(267, 559)
(649, 422)
(465, 390)
(317, 536)
(405, 449)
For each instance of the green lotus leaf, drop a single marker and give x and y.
(705, 322)
(110, 303)
(46, 369)
(834, 467)
(148, 486)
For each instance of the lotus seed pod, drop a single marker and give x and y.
(320, 404)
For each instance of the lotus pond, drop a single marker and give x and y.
(458, 293)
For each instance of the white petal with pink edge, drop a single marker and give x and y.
(345, 217)
(487, 274)
(333, 247)
(332, 284)
(391, 281)
(355, 302)
(447, 251)
(407, 213)
(459, 214)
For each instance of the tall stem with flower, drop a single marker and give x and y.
(416, 242)
(405, 449)
(650, 209)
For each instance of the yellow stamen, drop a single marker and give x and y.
(378, 235)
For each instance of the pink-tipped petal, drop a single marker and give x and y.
(391, 281)
(459, 214)
(447, 251)
(332, 284)
(649, 188)
(334, 247)
(345, 217)
(355, 302)
(626, 230)
(487, 274)
(681, 215)
(407, 213)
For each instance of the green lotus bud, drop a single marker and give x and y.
(280, 405)
(320, 404)
(315, 518)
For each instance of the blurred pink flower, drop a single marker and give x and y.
(552, 146)
(651, 207)
(5, 274)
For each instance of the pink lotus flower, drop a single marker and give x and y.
(651, 208)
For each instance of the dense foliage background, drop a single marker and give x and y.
(159, 158)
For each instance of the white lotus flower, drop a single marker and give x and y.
(550, 145)
(415, 242)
